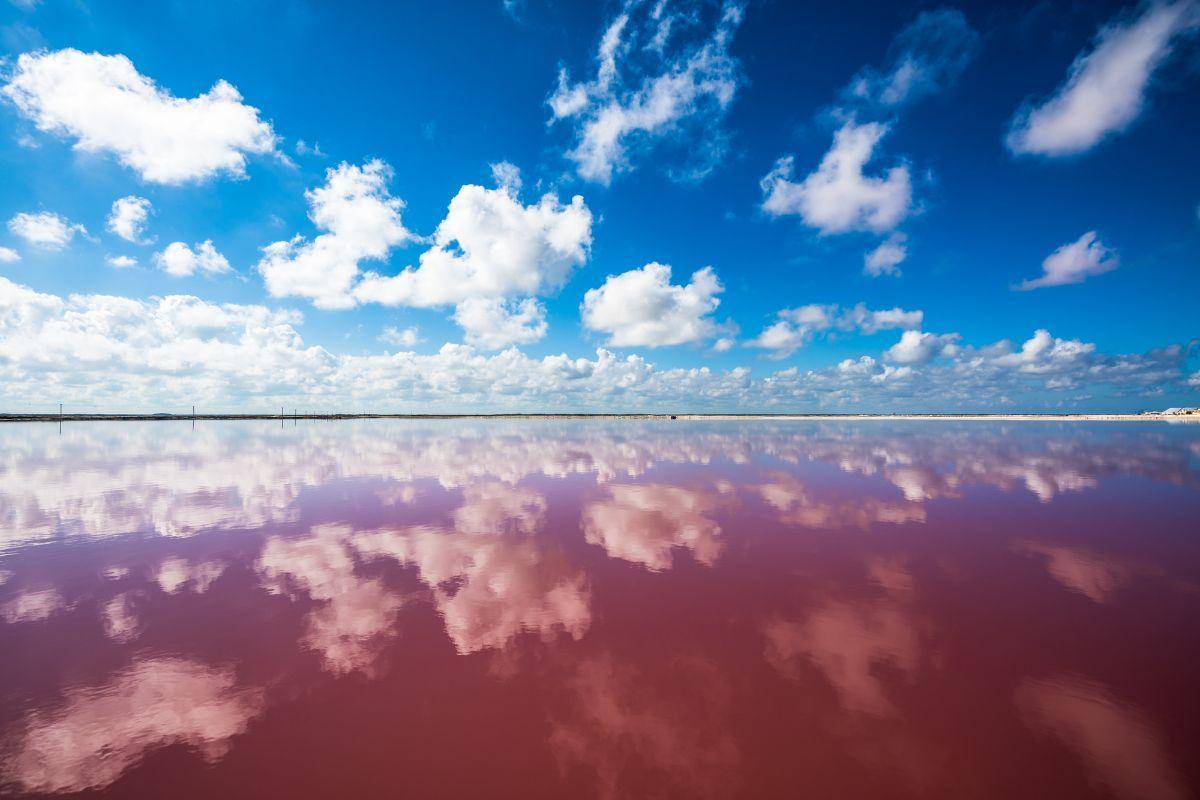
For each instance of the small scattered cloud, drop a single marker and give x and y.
(406, 337)
(1074, 263)
(45, 230)
(121, 262)
(924, 58)
(724, 344)
(1105, 87)
(128, 218)
(303, 148)
(652, 81)
(181, 261)
(887, 257)
(8, 255)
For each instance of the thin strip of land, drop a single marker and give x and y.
(98, 417)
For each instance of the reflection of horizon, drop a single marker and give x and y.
(493, 570)
(117, 478)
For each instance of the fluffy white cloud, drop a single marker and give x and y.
(98, 352)
(1044, 353)
(887, 257)
(492, 323)
(128, 218)
(363, 222)
(1074, 262)
(489, 249)
(8, 255)
(121, 262)
(180, 260)
(490, 245)
(930, 53)
(107, 106)
(838, 197)
(408, 337)
(46, 229)
(795, 327)
(682, 85)
(643, 308)
(1105, 88)
(916, 347)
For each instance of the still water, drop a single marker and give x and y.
(600, 609)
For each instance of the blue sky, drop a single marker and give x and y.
(1026, 168)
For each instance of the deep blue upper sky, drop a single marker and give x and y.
(439, 92)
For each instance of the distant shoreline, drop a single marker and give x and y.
(1146, 417)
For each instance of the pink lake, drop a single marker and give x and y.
(516, 608)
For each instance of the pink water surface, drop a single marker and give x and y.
(600, 609)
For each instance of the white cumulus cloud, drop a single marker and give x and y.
(107, 106)
(838, 197)
(46, 229)
(1105, 88)
(180, 260)
(8, 255)
(128, 218)
(887, 257)
(927, 55)
(121, 262)
(490, 245)
(916, 347)
(650, 82)
(493, 323)
(1044, 353)
(1074, 262)
(407, 337)
(362, 221)
(643, 308)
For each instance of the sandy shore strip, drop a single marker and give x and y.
(96, 417)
